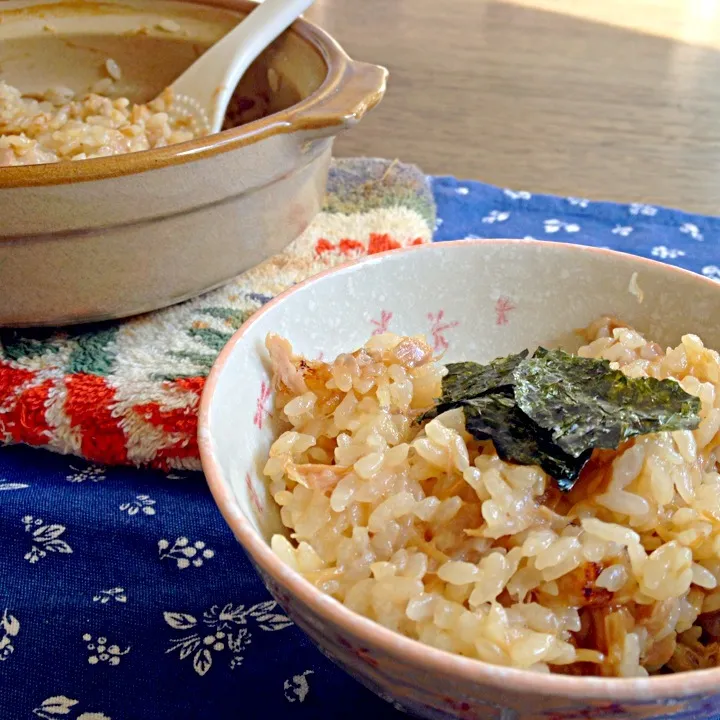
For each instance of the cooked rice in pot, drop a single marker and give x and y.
(59, 126)
(429, 533)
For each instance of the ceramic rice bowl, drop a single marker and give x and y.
(472, 300)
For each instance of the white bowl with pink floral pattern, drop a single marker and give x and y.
(473, 300)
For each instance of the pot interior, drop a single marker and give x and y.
(51, 43)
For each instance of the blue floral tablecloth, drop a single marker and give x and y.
(124, 596)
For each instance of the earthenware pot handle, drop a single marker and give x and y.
(358, 90)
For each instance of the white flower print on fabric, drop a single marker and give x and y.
(184, 553)
(223, 631)
(7, 485)
(640, 209)
(529, 237)
(101, 652)
(59, 705)
(93, 473)
(711, 271)
(297, 687)
(693, 231)
(517, 194)
(578, 202)
(554, 225)
(105, 596)
(462, 191)
(9, 628)
(496, 216)
(666, 253)
(45, 538)
(622, 230)
(438, 223)
(141, 503)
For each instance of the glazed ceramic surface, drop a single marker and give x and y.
(117, 236)
(472, 300)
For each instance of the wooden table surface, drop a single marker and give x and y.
(607, 99)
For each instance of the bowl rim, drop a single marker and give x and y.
(413, 652)
(337, 63)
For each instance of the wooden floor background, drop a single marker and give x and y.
(607, 99)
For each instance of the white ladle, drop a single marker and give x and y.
(204, 90)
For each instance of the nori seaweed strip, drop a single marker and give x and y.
(586, 404)
(553, 409)
(470, 379)
(496, 416)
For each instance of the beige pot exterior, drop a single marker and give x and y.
(211, 221)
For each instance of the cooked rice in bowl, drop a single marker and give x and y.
(424, 529)
(59, 126)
